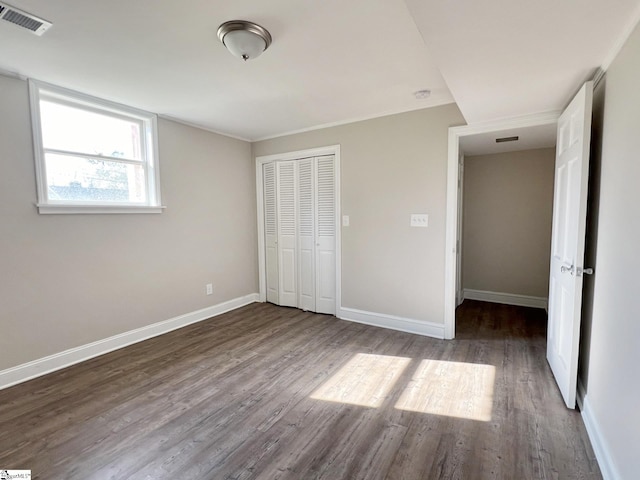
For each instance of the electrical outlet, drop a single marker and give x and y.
(209, 289)
(419, 220)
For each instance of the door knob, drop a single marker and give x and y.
(564, 268)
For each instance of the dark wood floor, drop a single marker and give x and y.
(268, 392)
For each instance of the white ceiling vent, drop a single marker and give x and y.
(23, 19)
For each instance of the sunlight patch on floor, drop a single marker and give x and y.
(453, 389)
(364, 380)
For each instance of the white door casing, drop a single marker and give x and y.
(451, 233)
(459, 289)
(287, 248)
(568, 241)
(271, 231)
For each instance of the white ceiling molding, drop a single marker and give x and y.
(634, 20)
(355, 119)
(10, 74)
(202, 127)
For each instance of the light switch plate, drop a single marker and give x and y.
(419, 220)
(345, 220)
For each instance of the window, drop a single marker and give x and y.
(93, 156)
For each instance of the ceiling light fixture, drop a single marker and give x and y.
(244, 39)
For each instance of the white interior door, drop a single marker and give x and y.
(271, 230)
(306, 235)
(567, 243)
(287, 251)
(326, 236)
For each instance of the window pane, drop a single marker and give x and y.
(76, 130)
(86, 179)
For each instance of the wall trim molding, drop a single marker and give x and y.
(42, 366)
(506, 298)
(409, 325)
(598, 442)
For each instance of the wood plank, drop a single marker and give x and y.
(266, 392)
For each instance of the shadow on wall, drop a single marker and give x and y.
(591, 245)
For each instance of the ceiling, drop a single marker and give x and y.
(506, 58)
(330, 62)
(539, 136)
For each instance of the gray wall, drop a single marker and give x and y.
(611, 348)
(508, 206)
(67, 280)
(391, 167)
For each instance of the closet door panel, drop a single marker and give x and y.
(271, 231)
(326, 235)
(326, 292)
(306, 235)
(287, 251)
(288, 278)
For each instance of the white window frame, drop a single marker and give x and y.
(149, 142)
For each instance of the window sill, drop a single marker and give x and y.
(96, 209)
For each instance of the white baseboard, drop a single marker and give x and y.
(57, 361)
(506, 298)
(605, 461)
(392, 322)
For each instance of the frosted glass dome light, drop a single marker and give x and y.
(244, 39)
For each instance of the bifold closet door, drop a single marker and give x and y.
(300, 233)
(325, 267)
(287, 230)
(271, 230)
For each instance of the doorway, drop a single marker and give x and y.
(471, 138)
(567, 269)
